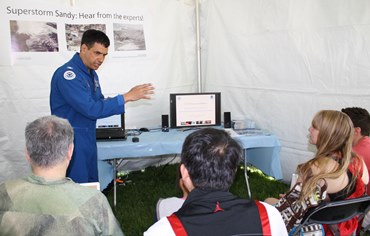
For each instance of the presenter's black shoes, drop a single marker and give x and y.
(109, 188)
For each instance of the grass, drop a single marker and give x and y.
(136, 200)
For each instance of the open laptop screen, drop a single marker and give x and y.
(112, 127)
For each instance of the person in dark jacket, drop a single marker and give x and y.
(209, 161)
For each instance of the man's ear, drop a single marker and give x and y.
(70, 151)
(83, 48)
(184, 172)
(357, 131)
(186, 178)
(28, 158)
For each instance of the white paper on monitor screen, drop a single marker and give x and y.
(200, 108)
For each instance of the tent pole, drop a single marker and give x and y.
(199, 70)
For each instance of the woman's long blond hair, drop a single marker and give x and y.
(334, 141)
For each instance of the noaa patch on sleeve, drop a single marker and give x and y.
(69, 75)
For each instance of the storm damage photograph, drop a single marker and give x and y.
(74, 33)
(33, 36)
(128, 37)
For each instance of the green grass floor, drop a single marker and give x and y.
(136, 200)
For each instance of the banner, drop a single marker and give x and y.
(40, 33)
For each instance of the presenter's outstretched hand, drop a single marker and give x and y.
(142, 91)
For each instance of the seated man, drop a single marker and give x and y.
(361, 140)
(209, 161)
(46, 202)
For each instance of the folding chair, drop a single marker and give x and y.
(332, 213)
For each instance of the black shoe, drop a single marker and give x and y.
(109, 188)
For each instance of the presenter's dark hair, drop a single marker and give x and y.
(360, 118)
(211, 157)
(92, 36)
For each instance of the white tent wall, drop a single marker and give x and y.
(276, 62)
(279, 62)
(169, 64)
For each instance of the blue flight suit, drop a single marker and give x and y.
(76, 95)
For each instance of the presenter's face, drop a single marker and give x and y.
(93, 57)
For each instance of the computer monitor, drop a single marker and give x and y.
(195, 109)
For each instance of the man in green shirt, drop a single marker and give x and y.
(47, 202)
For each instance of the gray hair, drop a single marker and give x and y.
(47, 140)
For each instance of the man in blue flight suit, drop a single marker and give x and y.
(76, 95)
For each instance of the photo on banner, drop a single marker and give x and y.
(33, 36)
(74, 33)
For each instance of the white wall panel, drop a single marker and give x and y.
(279, 62)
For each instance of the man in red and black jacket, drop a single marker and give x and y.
(209, 161)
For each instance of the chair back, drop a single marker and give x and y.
(330, 213)
(337, 212)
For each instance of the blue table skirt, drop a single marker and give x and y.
(262, 151)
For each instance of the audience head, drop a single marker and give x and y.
(335, 131)
(92, 36)
(211, 157)
(360, 118)
(49, 141)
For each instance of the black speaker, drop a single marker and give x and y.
(165, 125)
(227, 120)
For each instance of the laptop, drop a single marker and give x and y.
(111, 128)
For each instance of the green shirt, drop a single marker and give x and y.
(35, 206)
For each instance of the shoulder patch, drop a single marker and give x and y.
(69, 75)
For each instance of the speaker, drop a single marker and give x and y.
(227, 120)
(165, 125)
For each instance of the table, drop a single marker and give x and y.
(262, 150)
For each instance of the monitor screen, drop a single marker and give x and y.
(115, 121)
(195, 109)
